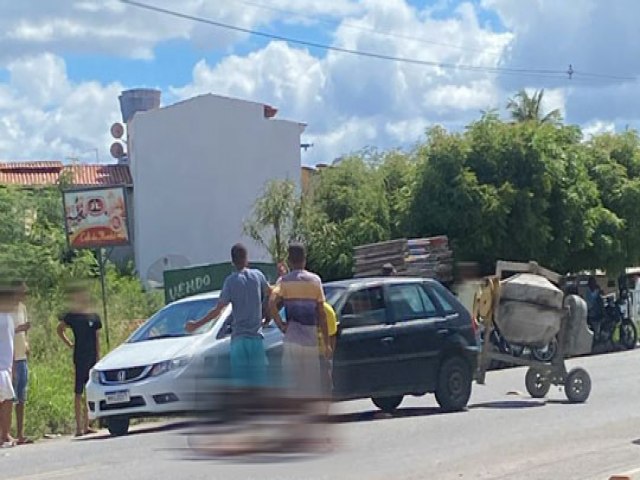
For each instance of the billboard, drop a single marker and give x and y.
(96, 218)
(185, 282)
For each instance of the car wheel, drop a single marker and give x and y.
(118, 426)
(454, 384)
(387, 404)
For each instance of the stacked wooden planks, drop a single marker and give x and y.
(369, 259)
(431, 258)
(423, 257)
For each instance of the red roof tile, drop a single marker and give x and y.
(48, 173)
(100, 174)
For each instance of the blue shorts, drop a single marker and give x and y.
(248, 362)
(20, 380)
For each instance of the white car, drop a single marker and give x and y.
(161, 368)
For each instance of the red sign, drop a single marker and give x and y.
(96, 218)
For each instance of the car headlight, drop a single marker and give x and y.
(95, 376)
(168, 365)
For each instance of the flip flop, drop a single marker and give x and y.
(25, 441)
(10, 444)
(90, 431)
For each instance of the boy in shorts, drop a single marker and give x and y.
(20, 367)
(86, 327)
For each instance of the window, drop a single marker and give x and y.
(364, 307)
(171, 320)
(442, 300)
(333, 294)
(409, 302)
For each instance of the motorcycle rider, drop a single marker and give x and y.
(595, 305)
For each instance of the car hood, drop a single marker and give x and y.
(145, 353)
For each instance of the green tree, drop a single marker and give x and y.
(398, 171)
(524, 108)
(348, 207)
(273, 221)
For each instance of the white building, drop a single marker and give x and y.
(198, 167)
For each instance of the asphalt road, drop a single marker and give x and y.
(504, 434)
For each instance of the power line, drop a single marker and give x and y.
(362, 28)
(546, 73)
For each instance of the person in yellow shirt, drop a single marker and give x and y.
(327, 354)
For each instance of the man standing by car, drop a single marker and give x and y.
(245, 289)
(301, 294)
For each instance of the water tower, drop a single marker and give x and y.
(138, 100)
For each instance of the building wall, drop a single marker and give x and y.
(198, 167)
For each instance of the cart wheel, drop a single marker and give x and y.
(537, 383)
(577, 385)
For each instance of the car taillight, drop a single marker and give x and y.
(474, 325)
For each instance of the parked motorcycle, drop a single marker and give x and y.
(614, 317)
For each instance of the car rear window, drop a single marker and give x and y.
(446, 305)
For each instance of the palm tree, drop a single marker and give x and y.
(526, 108)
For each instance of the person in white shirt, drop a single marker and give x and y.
(20, 367)
(8, 304)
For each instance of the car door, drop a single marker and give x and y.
(418, 337)
(360, 362)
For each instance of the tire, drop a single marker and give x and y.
(537, 384)
(577, 385)
(387, 404)
(628, 335)
(546, 354)
(118, 426)
(454, 384)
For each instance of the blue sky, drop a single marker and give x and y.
(63, 63)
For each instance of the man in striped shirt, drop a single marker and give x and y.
(301, 294)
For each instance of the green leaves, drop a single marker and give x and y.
(273, 221)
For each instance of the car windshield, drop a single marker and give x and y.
(333, 294)
(170, 321)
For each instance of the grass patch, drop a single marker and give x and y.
(50, 408)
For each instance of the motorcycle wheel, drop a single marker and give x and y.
(545, 354)
(628, 335)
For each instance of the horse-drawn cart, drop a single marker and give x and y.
(490, 304)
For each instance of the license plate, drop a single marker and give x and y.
(121, 396)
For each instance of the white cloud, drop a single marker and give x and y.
(111, 27)
(348, 102)
(352, 102)
(595, 37)
(43, 115)
(597, 127)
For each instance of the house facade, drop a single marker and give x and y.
(198, 167)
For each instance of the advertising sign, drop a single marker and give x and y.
(189, 281)
(96, 218)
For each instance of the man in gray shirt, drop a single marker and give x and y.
(246, 290)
